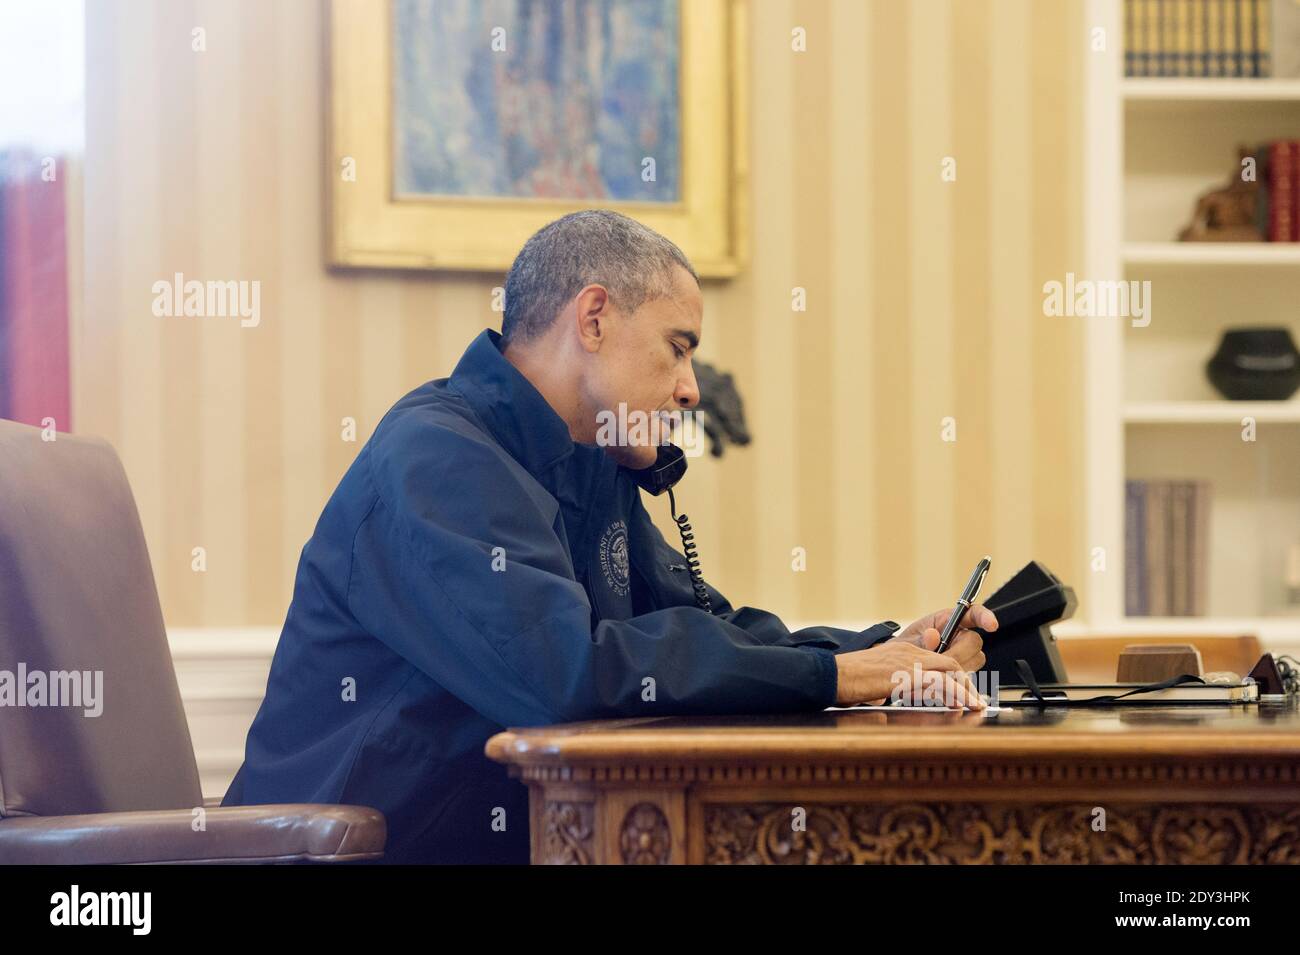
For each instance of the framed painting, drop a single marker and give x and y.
(457, 128)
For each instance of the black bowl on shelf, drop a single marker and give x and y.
(1255, 364)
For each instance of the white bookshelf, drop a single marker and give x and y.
(1279, 633)
(1240, 89)
(1151, 146)
(1212, 412)
(1181, 254)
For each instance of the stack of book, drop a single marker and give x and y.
(1198, 37)
(1166, 548)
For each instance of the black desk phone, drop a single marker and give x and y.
(1026, 606)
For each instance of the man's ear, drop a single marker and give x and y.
(592, 310)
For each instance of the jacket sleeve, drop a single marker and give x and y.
(672, 587)
(769, 628)
(459, 568)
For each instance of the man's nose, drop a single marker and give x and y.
(688, 391)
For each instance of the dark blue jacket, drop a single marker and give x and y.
(477, 569)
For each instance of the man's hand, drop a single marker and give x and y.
(872, 674)
(966, 646)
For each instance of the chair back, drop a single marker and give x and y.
(90, 714)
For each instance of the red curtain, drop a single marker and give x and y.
(34, 359)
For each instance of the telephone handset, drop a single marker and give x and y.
(669, 466)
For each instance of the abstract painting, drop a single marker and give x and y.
(529, 99)
(457, 128)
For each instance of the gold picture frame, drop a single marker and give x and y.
(369, 226)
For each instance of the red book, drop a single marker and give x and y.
(1295, 190)
(1281, 189)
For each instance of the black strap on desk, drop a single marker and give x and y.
(1026, 674)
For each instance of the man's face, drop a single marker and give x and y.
(644, 364)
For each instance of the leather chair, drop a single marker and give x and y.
(77, 595)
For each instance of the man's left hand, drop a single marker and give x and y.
(966, 646)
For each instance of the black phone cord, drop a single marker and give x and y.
(692, 557)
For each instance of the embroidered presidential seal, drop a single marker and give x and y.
(613, 558)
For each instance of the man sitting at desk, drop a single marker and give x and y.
(484, 563)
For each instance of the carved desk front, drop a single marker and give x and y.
(1020, 785)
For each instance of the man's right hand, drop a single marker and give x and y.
(872, 675)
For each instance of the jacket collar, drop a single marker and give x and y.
(511, 408)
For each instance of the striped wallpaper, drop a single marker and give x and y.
(923, 302)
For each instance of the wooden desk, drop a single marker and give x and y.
(1177, 785)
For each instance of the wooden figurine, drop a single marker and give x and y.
(1227, 214)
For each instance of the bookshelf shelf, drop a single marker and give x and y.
(1151, 147)
(1281, 633)
(1211, 90)
(1212, 253)
(1211, 412)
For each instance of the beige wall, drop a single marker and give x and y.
(923, 302)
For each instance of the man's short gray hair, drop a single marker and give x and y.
(595, 246)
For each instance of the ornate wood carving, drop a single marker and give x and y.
(1191, 785)
(973, 833)
(567, 833)
(1208, 773)
(645, 838)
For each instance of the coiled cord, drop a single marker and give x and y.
(692, 557)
